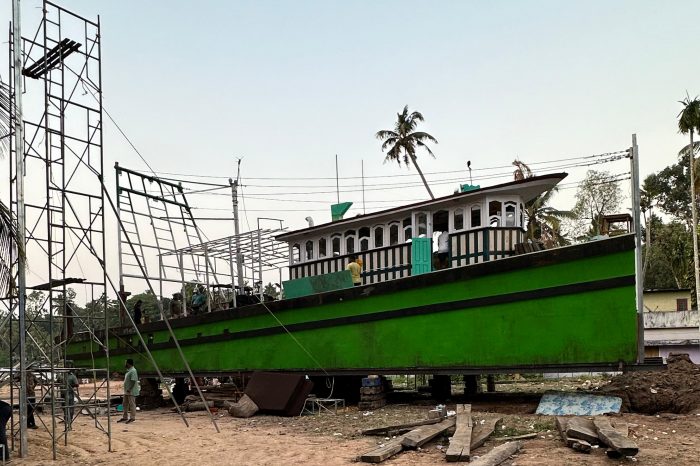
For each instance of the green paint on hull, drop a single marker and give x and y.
(578, 328)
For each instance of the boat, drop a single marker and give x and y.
(494, 303)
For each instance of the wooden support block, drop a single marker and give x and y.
(371, 390)
(422, 435)
(583, 429)
(460, 443)
(399, 427)
(498, 455)
(579, 445)
(383, 452)
(481, 432)
(374, 397)
(613, 439)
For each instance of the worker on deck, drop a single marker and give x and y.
(443, 249)
(199, 300)
(138, 313)
(176, 306)
(355, 268)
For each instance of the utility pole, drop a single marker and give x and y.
(236, 226)
(21, 223)
(636, 209)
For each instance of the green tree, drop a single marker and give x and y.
(688, 123)
(544, 223)
(271, 290)
(670, 262)
(401, 142)
(9, 245)
(597, 195)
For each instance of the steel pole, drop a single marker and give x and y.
(636, 209)
(21, 223)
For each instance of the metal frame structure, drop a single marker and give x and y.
(260, 251)
(57, 150)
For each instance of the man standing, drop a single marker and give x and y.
(31, 400)
(5, 415)
(355, 268)
(132, 389)
(72, 386)
(138, 314)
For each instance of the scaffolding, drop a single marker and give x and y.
(57, 147)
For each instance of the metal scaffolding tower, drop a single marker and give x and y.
(56, 153)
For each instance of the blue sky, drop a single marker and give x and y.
(287, 85)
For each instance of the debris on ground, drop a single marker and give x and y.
(674, 390)
(582, 434)
(499, 454)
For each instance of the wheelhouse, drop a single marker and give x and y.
(480, 224)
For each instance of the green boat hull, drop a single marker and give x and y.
(566, 307)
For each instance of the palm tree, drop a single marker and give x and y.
(8, 227)
(403, 140)
(522, 170)
(688, 123)
(544, 222)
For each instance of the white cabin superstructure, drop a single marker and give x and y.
(483, 224)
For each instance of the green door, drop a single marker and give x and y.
(421, 255)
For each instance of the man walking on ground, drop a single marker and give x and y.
(71, 392)
(5, 415)
(132, 389)
(31, 400)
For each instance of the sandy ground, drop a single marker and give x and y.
(161, 436)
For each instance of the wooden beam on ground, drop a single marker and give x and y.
(422, 435)
(383, 452)
(582, 428)
(613, 439)
(400, 428)
(498, 455)
(577, 444)
(460, 443)
(517, 437)
(481, 432)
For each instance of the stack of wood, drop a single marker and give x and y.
(372, 393)
(581, 434)
(466, 437)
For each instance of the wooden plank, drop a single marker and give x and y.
(400, 427)
(481, 432)
(460, 443)
(498, 455)
(424, 434)
(579, 445)
(613, 439)
(518, 437)
(383, 452)
(582, 428)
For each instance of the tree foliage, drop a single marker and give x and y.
(597, 195)
(402, 142)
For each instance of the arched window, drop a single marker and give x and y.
(510, 214)
(364, 238)
(407, 229)
(322, 248)
(336, 241)
(309, 249)
(349, 241)
(458, 219)
(495, 213)
(422, 225)
(393, 234)
(378, 237)
(476, 216)
(296, 253)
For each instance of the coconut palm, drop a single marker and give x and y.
(688, 123)
(403, 140)
(8, 228)
(522, 170)
(544, 222)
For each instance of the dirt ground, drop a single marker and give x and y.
(328, 439)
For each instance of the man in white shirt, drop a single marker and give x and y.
(443, 249)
